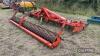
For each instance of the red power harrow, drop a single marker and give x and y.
(49, 15)
(49, 38)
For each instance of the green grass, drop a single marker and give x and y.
(72, 10)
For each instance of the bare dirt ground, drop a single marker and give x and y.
(15, 42)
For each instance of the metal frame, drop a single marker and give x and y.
(49, 15)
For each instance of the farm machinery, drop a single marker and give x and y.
(49, 38)
(49, 15)
(19, 5)
(94, 20)
(4, 4)
(23, 6)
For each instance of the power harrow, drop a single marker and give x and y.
(49, 38)
(49, 15)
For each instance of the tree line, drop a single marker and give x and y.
(73, 5)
